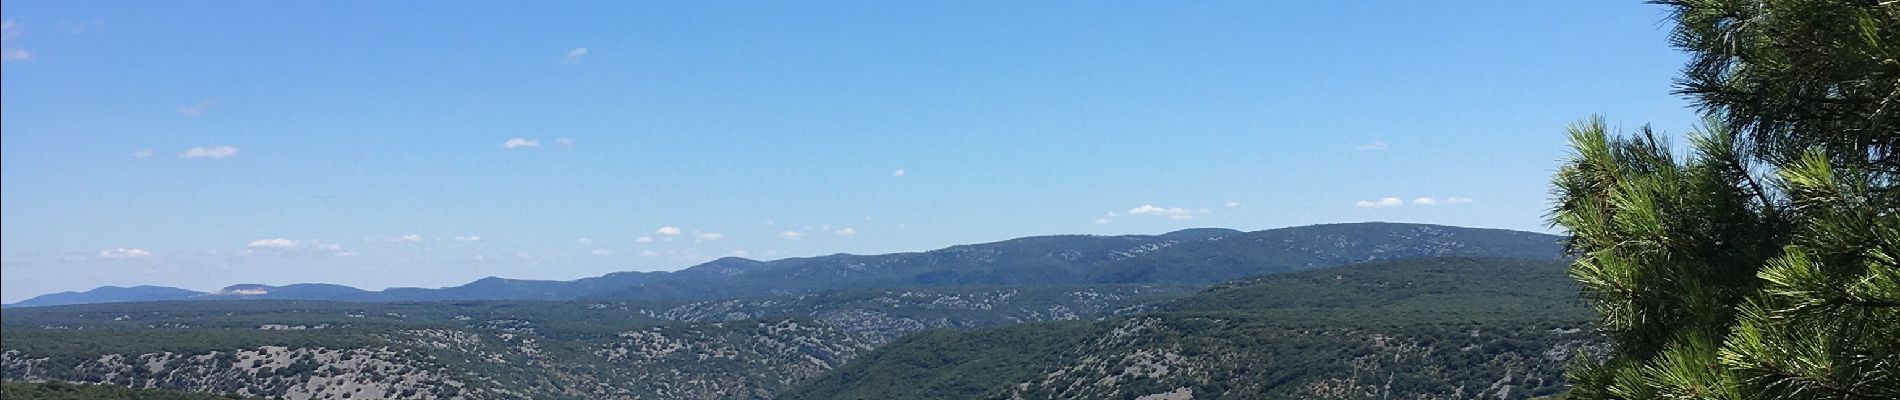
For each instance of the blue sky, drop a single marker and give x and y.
(377, 144)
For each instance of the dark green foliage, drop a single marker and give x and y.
(948, 365)
(1424, 327)
(1795, 75)
(1762, 264)
(68, 391)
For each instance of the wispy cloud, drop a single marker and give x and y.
(197, 109)
(124, 253)
(898, 173)
(517, 143)
(144, 154)
(1174, 213)
(792, 235)
(1429, 201)
(278, 243)
(9, 29)
(215, 153)
(564, 141)
(575, 55)
(1374, 146)
(1231, 204)
(80, 28)
(1102, 221)
(844, 232)
(644, 239)
(409, 238)
(1380, 203)
(601, 252)
(668, 230)
(16, 54)
(708, 236)
(470, 238)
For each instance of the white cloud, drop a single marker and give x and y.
(1101, 221)
(668, 230)
(216, 153)
(644, 239)
(124, 253)
(1380, 203)
(1174, 213)
(196, 109)
(470, 238)
(328, 246)
(793, 235)
(144, 154)
(649, 253)
(1231, 204)
(279, 243)
(584, 241)
(346, 254)
(1457, 200)
(7, 30)
(1374, 146)
(15, 55)
(601, 252)
(1425, 201)
(898, 173)
(514, 143)
(409, 238)
(708, 236)
(845, 232)
(575, 54)
(564, 141)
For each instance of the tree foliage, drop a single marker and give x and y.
(1765, 262)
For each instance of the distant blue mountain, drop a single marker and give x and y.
(1192, 256)
(110, 294)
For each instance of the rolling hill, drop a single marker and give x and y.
(1194, 257)
(1420, 328)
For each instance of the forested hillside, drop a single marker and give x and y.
(1428, 328)
(1191, 257)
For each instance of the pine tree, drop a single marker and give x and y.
(1764, 263)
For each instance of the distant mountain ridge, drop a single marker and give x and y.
(1191, 256)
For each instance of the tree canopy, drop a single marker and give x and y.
(1764, 262)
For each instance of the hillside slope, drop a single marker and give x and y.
(749, 348)
(1425, 328)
